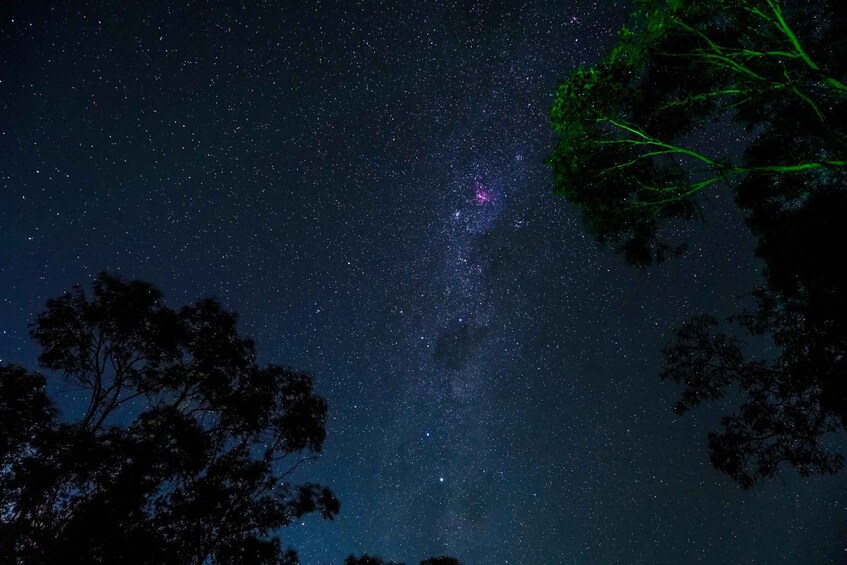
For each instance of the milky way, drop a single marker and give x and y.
(450, 367)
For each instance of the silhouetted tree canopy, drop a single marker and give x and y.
(183, 446)
(631, 154)
(791, 401)
(371, 560)
(366, 559)
(442, 560)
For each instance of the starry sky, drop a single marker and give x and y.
(364, 182)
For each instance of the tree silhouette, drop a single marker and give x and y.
(183, 448)
(371, 560)
(630, 154)
(793, 400)
(366, 559)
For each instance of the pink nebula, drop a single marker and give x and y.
(481, 193)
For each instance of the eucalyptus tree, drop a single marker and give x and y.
(637, 152)
(633, 144)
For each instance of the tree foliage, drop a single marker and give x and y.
(633, 153)
(627, 151)
(792, 401)
(183, 448)
(366, 559)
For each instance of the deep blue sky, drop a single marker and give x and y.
(366, 186)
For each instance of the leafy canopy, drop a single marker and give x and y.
(633, 153)
(183, 448)
(630, 150)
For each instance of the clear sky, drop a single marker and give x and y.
(365, 184)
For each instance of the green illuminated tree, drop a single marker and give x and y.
(631, 151)
(634, 153)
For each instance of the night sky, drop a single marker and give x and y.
(365, 184)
